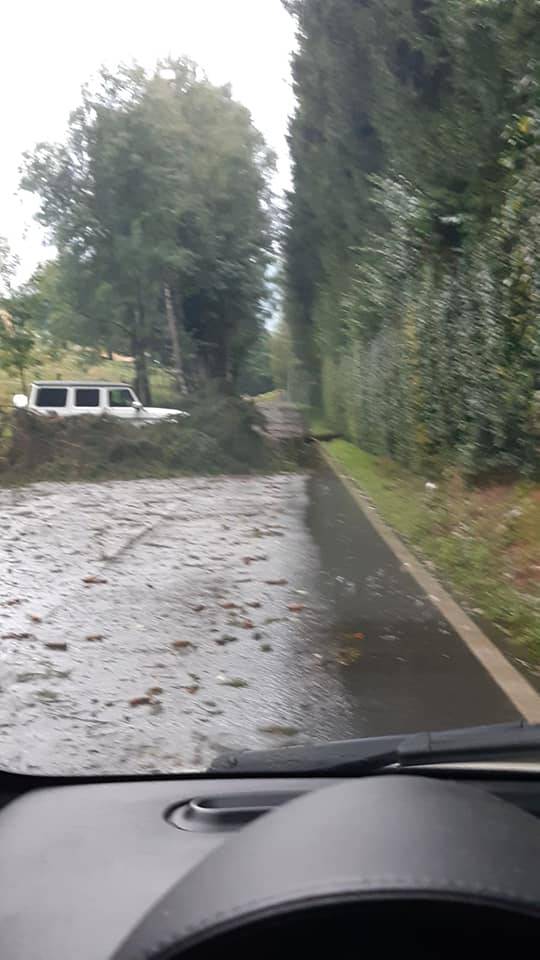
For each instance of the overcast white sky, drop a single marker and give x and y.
(51, 47)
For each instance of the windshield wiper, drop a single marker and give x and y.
(495, 741)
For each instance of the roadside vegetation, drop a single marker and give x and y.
(413, 240)
(158, 204)
(482, 541)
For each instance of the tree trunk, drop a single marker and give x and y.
(22, 378)
(141, 379)
(142, 383)
(175, 340)
(228, 366)
(228, 333)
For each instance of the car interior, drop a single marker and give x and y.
(439, 855)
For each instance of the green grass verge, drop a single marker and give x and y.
(483, 542)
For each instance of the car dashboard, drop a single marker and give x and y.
(198, 865)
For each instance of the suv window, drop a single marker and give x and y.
(51, 397)
(120, 397)
(85, 397)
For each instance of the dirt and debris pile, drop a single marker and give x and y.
(223, 434)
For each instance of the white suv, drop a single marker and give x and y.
(70, 398)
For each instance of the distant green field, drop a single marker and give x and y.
(77, 363)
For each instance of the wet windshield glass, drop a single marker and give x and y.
(269, 310)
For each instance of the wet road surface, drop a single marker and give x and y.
(148, 625)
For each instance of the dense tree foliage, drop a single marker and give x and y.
(16, 341)
(413, 236)
(8, 266)
(255, 375)
(17, 345)
(158, 204)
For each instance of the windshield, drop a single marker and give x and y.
(269, 309)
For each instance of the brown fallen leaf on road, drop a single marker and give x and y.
(183, 645)
(94, 637)
(139, 701)
(248, 560)
(93, 578)
(56, 644)
(254, 603)
(348, 656)
(18, 636)
(247, 624)
(228, 605)
(296, 607)
(277, 583)
(199, 608)
(35, 618)
(12, 603)
(192, 689)
(223, 641)
(154, 691)
(359, 636)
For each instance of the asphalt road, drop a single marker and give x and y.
(149, 625)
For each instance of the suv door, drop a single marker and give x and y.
(119, 402)
(87, 400)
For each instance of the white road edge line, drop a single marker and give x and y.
(518, 690)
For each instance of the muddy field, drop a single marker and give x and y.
(149, 625)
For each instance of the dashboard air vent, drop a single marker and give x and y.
(225, 811)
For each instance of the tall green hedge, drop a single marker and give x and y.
(413, 243)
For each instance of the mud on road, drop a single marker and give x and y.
(146, 626)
